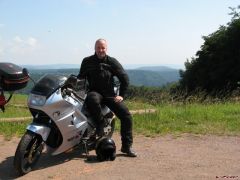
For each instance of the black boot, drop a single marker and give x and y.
(129, 151)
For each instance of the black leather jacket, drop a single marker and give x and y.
(100, 75)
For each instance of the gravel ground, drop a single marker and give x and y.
(166, 157)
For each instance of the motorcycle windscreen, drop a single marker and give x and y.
(48, 84)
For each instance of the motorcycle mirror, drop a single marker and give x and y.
(25, 71)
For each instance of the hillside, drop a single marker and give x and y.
(156, 68)
(167, 74)
(144, 76)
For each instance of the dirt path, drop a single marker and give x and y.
(22, 119)
(186, 157)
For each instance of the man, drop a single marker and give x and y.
(99, 69)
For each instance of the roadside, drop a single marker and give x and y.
(165, 157)
(22, 119)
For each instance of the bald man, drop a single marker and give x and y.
(99, 70)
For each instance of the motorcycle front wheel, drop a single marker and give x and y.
(28, 152)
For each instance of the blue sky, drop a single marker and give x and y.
(158, 32)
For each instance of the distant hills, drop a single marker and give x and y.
(141, 76)
(126, 66)
(153, 75)
(156, 68)
(146, 78)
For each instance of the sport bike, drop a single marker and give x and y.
(60, 121)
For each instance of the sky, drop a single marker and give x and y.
(147, 32)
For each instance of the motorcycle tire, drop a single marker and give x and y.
(28, 152)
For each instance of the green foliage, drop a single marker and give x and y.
(12, 111)
(138, 104)
(152, 95)
(9, 129)
(215, 69)
(235, 12)
(217, 118)
(20, 99)
(174, 117)
(17, 107)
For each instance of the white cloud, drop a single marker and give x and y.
(17, 39)
(23, 46)
(32, 42)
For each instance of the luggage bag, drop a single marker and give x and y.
(12, 77)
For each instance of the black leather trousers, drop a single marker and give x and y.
(94, 101)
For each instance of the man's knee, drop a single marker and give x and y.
(93, 98)
(125, 117)
(124, 113)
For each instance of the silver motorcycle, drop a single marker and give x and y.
(60, 121)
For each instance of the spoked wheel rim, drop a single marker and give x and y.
(32, 153)
(108, 130)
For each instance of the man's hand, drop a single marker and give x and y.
(118, 99)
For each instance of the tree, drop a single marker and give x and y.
(216, 67)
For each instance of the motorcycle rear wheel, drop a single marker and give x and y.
(28, 152)
(110, 129)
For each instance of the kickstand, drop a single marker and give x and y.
(85, 147)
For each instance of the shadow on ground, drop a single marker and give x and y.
(7, 170)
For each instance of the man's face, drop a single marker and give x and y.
(101, 49)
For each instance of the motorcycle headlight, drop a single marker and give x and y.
(37, 100)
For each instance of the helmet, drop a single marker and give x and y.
(106, 149)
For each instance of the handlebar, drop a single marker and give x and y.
(70, 92)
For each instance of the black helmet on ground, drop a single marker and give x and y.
(106, 149)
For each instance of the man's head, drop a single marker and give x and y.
(101, 48)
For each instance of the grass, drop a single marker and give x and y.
(17, 107)
(19, 99)
(10, 129)
(196, 118)
(220, 119)
(11, 112)
(138, 104)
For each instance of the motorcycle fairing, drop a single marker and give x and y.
(43, 131)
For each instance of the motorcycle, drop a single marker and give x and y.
(60, 121)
